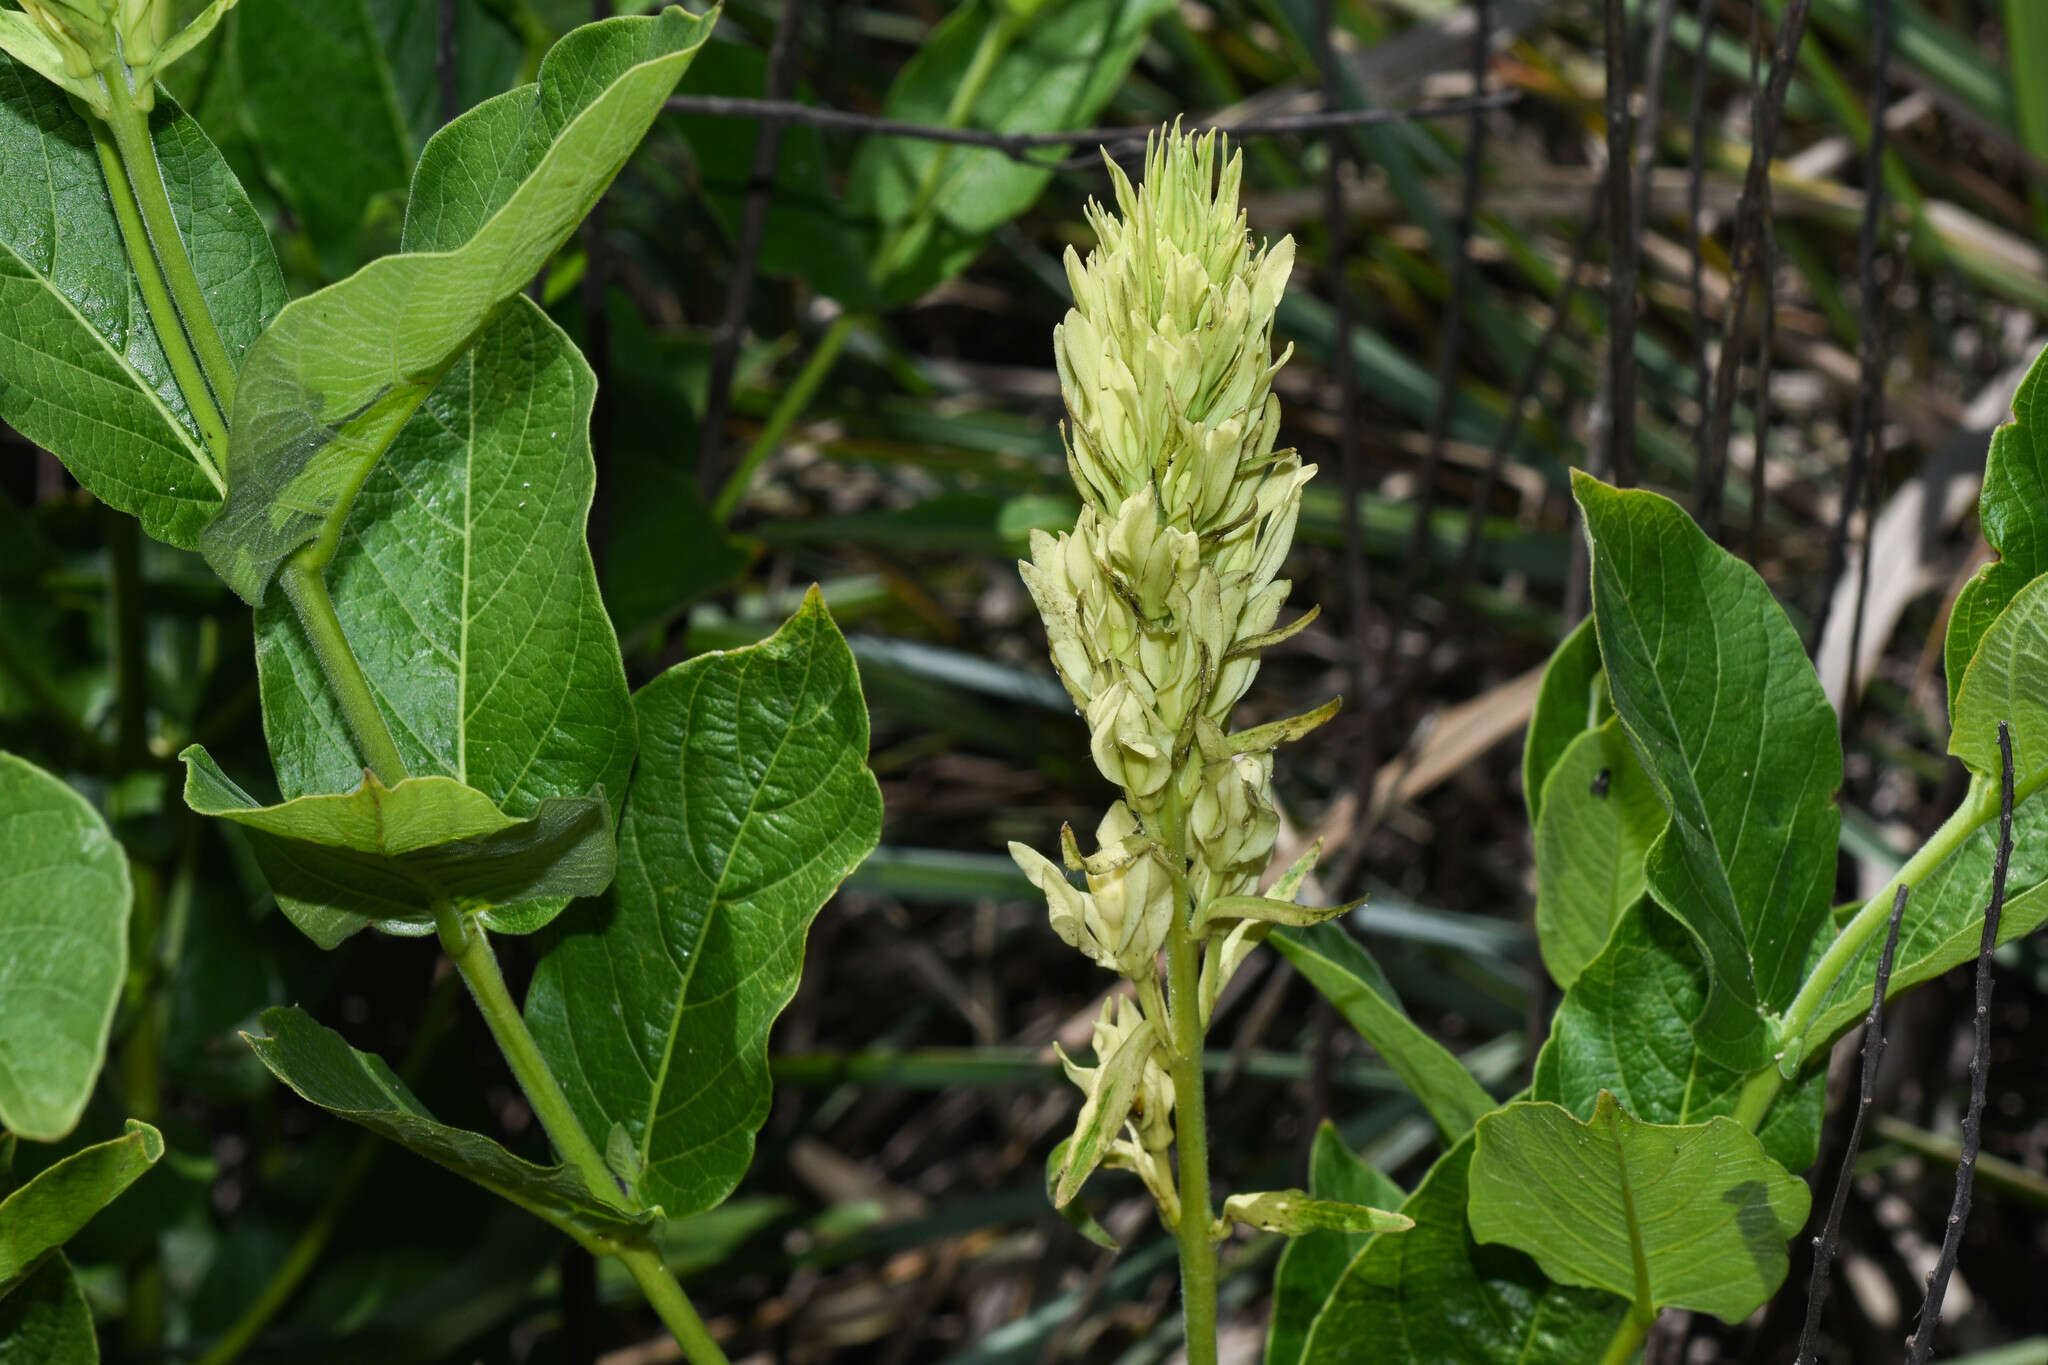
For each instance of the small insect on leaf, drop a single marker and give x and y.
(1601, 781)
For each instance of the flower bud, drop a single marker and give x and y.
(1121, 920)
(1132, 746)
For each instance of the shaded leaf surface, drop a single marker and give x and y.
(1339, 966)
(2013, 516)
(317, 1063)
(44, 1214)
(64, 900)
(82, 372)
(385, 855)
(1714, 687)
(45, 1321)
(340, 371)
(1690, 1217)
(751, 803)
(1435, 1295)
(1310, 1265)
(1600, 816)
(466, 586)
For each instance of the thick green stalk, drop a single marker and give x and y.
(470, 949)
(163, 313)
(794, 400)
(1190, 1110)
(1628, 1338)
(130, 126)
(306, 587)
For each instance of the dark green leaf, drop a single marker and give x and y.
(372, 64)
(751, 804)
(315, 1061)
(46, 1322)
(1565, 709)
(82, 373)
(1600, 816)
(1310, 1265)
(1434, 1295)
(64, 898)
(465, 584)
(2013, 515)
(329, 386)
(1713, 685)
(1626, 1026)
(386, 855)
(1688, 1217)
(929, 205)
(1073, 1211)
(1339, 966)
(44, 1214)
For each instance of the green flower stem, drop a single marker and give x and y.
(306, 587)
(794, 400)
(163, 313)
(146, 178)
(1628, 1338)
(1190, 1118)
(469, 948)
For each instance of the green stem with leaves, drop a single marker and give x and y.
(145, 177)
(788, 408)
(305, 585)
(1190, 1116)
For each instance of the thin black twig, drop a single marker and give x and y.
(1871, 298)
(1452, 342)
(1922, 1341)
(1767, 339)
(1749, 213)
(1873, 1052)
(1622, 254)
(1356, 580)
(725, 342)
(1020, 146)
(1653, 107)
(1695, 194)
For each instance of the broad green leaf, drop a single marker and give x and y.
(1434, 1295)
(64, 898)
(1339, 966)
(929, 205)
(43, 1215)
(1626, 1026)
(1568, 703)
(46, 1321)
(372, 62)
(466, 586)
(1311, 1264)
(1714, 688)
(2007, 681)
(1600, 815)
(84, 373)
(1295, 1212)
(385, 855)
(1668, 1217)
(2013, 516)
(330, 384)
(1944, 922)
(316, 1062)
(752, 802)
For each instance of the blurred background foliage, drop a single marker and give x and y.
(840, 371)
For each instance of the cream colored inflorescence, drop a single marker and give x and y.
(1159, 600)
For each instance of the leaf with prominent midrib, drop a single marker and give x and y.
(466, 587)
(1339, 966)
(2013, 515)
(1626, 1026)
(45, 1213)
(319, 1064)
(374, 64)
(64, 898)
(1434, 1296)
(2008, 681)
(82, 372)
(339, 373)
(386, 855)
(1731, 725)
(1564, 710)
(1668, 1217)
(1599, 816)
(46, 1321)
(752, 802)
(1310, 1265)
(1056, 72)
